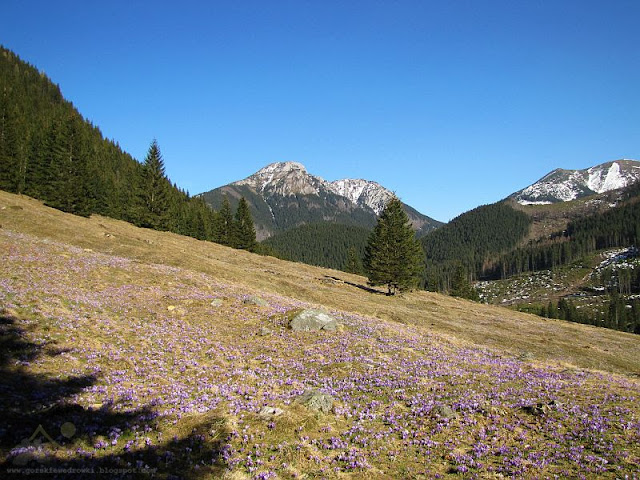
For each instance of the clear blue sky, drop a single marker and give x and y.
(452, 104)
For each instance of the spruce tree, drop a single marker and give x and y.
(354, 264)
(393, 256)
(461, 286)
(155, 190)
(244, 232)
(223, 226)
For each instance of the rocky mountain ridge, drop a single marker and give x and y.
(284, 195)
(565, 185)
(292, 178)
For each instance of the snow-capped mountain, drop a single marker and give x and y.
(363, 192)
(566, 185)
(286, 179)
(284, 195)
(292, 178)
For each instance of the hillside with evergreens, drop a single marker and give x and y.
(323, 244)
(50, 152)
(471, 241)
(618, 226)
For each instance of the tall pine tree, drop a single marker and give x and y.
(155, 190)
(223, 224)
(393, 256)
(244, 231)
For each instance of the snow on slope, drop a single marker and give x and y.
(291, 178)
(565, 185)
(362, 192)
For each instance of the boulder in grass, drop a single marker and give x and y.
(312, 320)
(317, 400)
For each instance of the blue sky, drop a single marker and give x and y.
(450, 103)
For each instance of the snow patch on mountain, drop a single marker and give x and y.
(566, 185)
(292, 178)
(363, 193)
(614, 178)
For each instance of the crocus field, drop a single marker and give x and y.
(144, 370)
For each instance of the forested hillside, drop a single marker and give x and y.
(50, 152)
(617, 227)
(324, 244)
(471, 241)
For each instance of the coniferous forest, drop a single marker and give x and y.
(470, 241)
(328, 245)
(50, 152)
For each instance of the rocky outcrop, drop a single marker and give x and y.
(312, 320)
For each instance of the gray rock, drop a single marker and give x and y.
(217, 302)
(311, 320)
(541, 408)
(255, 300)
(443, 411)
(264, 332)
(317, 400)
(268, 412)
(525, 355)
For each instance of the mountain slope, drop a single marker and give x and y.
(284, 195)
(493, 241)
(566, 185)
(146, 348)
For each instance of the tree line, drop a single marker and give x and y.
(617, 313)
(50, 152)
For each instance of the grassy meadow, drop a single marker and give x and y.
(139, 354)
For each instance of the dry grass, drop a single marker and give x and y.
(115, 330)
(465, 322)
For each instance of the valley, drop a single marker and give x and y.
(143, 351)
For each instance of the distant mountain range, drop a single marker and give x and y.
(566, 185)
(284, 195)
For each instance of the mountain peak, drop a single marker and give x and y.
(284, 178)
(283, 195)
(282, 167)
(565, 185)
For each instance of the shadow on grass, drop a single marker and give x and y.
(45, 434)
(366, 288)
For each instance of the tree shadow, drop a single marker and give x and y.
(44, 433)
(366, 288)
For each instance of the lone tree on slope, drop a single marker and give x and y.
(393, 256)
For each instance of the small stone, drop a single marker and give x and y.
(443, 411)
(268, 412)
(216, 302)
(525, 355)
(254, 300)
(264, 332)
